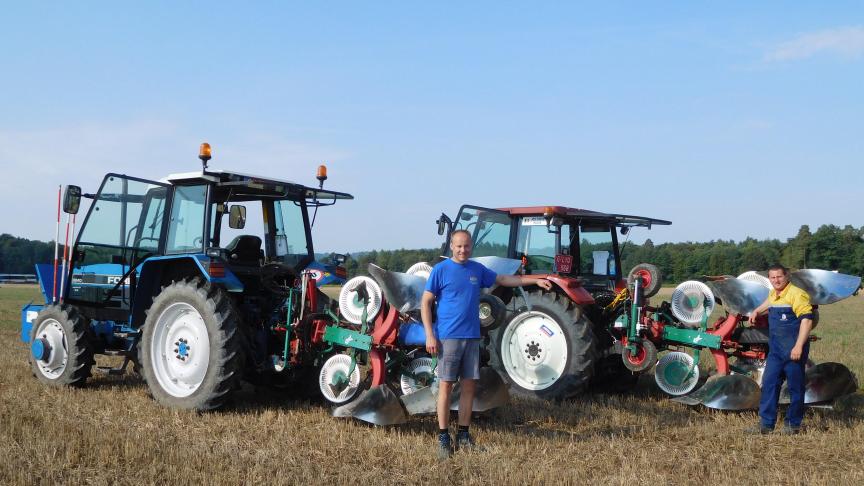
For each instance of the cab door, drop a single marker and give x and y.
(491, 231)
(124, 225)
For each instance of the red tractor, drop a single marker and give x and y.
(553, 344)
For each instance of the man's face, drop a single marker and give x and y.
(778, 279)
(460, 246)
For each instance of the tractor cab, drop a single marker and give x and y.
(558, 240)
(249, 234)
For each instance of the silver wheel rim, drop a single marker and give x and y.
(58, 355)
(485, 310)
(180, 352)
(534, 351)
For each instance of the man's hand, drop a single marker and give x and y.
(432, 345)
(544, 284)
(795, 355)
(752, 317)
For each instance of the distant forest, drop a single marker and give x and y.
(829, 247)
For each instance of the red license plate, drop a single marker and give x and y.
(564, 263)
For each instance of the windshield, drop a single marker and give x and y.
(537, 244)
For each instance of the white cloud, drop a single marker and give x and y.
(846, 42)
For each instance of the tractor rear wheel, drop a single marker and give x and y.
(548, 352)
(60, 349)
(190, 350)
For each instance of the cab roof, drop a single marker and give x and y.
(253, 185)
(576, 213)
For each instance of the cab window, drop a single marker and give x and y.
(186, 226)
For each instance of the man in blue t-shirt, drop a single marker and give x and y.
(455, 285)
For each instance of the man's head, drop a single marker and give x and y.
(461, 245)
(778, 275)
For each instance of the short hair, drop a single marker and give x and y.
(456, 232)
(780, 267)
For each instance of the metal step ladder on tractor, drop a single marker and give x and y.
(681, 328)
(380, 328)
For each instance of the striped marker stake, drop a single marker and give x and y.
(66, 253)
(56, 246)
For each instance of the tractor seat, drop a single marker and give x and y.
(751, 335)
(245, 250)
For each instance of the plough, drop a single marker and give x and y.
(380, 328)
(739, 350)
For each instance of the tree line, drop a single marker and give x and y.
(830, 248)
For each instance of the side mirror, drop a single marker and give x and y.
(72, 200)
(445, 224)
(625, 230)
(237, 218)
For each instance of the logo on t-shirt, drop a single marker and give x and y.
(473, 280)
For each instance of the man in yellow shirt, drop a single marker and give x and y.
(790, 319)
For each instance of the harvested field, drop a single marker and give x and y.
(112, 432)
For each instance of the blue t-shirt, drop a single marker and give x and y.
(456, 287)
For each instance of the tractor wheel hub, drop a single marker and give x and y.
(41, 350)
(533, 351)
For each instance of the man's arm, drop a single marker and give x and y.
(804, 311)
(759, 310)
(426, 316)
(803, 336)
(521, 280)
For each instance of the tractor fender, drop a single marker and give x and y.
(157, 272)
(573, 288)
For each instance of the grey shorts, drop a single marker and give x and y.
(459, 358)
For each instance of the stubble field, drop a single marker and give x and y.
(112, 432)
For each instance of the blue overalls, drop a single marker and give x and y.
(784, 321)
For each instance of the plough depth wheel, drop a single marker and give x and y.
(643, 358)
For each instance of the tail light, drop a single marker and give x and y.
(216, 269)
(341, 272)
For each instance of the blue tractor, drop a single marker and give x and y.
(168, 275)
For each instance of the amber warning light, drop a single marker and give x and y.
(321, 175)
(204, 153)
(548, 212)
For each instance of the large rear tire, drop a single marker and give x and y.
(190, 350)
(60, 352)
(548, 352)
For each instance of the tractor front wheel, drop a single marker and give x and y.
(547, 352)
(60, 349)
(190, 349)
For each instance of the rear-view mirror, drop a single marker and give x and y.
(72, 200)
(237, 217)
(444, 224)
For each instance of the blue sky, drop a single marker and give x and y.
(730, 119)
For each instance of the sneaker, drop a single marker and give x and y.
(758, 430)
(445, 447)
(790, 430)
(464, 442)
